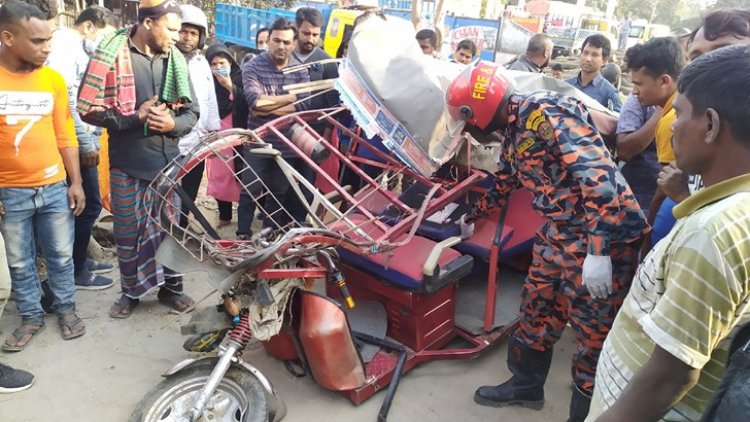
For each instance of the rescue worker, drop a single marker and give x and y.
(584, 256)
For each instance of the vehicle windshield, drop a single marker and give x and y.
(636, 31)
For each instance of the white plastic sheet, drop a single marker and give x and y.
(397, 92)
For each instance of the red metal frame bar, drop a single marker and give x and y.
(390, 232)
(381, 381)
(334, 183)
(491, 299)
(387, 230)
(275, 274)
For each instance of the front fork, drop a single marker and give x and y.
(226, 357)
(238, 339)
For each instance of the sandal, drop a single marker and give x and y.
(123, 307)
(71, 321)
(24, 330)
(179, 302)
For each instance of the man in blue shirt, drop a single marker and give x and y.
(636, 147)
(594, 53)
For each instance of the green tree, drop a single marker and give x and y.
(600, 5)
(666, 12)
(733, 4)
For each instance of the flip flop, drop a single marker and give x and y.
(21, 332)
(179, 302)
(123, 307)
(70, 325)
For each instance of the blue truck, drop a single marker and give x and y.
(236, 26)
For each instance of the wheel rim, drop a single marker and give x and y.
(228, 403)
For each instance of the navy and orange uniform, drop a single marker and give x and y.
(551, 147)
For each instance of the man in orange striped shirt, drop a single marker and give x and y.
(39, 149)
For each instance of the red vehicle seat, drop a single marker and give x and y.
(403, 266)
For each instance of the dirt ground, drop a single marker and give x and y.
(102, 375)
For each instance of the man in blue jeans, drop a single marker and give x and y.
(71, 48)
(39, 150)
(11, 380)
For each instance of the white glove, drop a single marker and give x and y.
(467, 229)
(597, 275)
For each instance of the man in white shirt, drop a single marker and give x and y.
(622, 33)
(69, 55)
(191, 42)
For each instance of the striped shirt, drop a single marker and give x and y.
(260, 76)
(689, 297)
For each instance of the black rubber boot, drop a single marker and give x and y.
(526, 388)
(579, 405)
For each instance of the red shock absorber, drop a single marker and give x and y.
(241, 333)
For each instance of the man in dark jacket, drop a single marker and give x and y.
(137, 87)
(309, 23)
(537, 57)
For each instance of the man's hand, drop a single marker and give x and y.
(145, 108)
(90, 159)
(597, 275)
(2, 209)
(160, 119)
(76, 198)
(674, 182)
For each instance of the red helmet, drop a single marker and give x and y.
(477, 93)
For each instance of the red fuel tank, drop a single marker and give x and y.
(328, 344)
(281, 346)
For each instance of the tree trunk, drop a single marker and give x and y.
(61, 10)
(415, 13)
(436, 22)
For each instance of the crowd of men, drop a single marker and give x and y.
(644, 251)
(651, 343)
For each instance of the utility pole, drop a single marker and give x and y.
(611, 4)
(653, 11)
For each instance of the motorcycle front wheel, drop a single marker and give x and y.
(238, 398)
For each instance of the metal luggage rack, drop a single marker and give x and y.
(342, 217)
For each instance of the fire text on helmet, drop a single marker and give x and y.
(482, 82)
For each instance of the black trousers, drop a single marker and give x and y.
(191, 183)
(280, 194)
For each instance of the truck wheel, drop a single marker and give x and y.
(238, 398)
